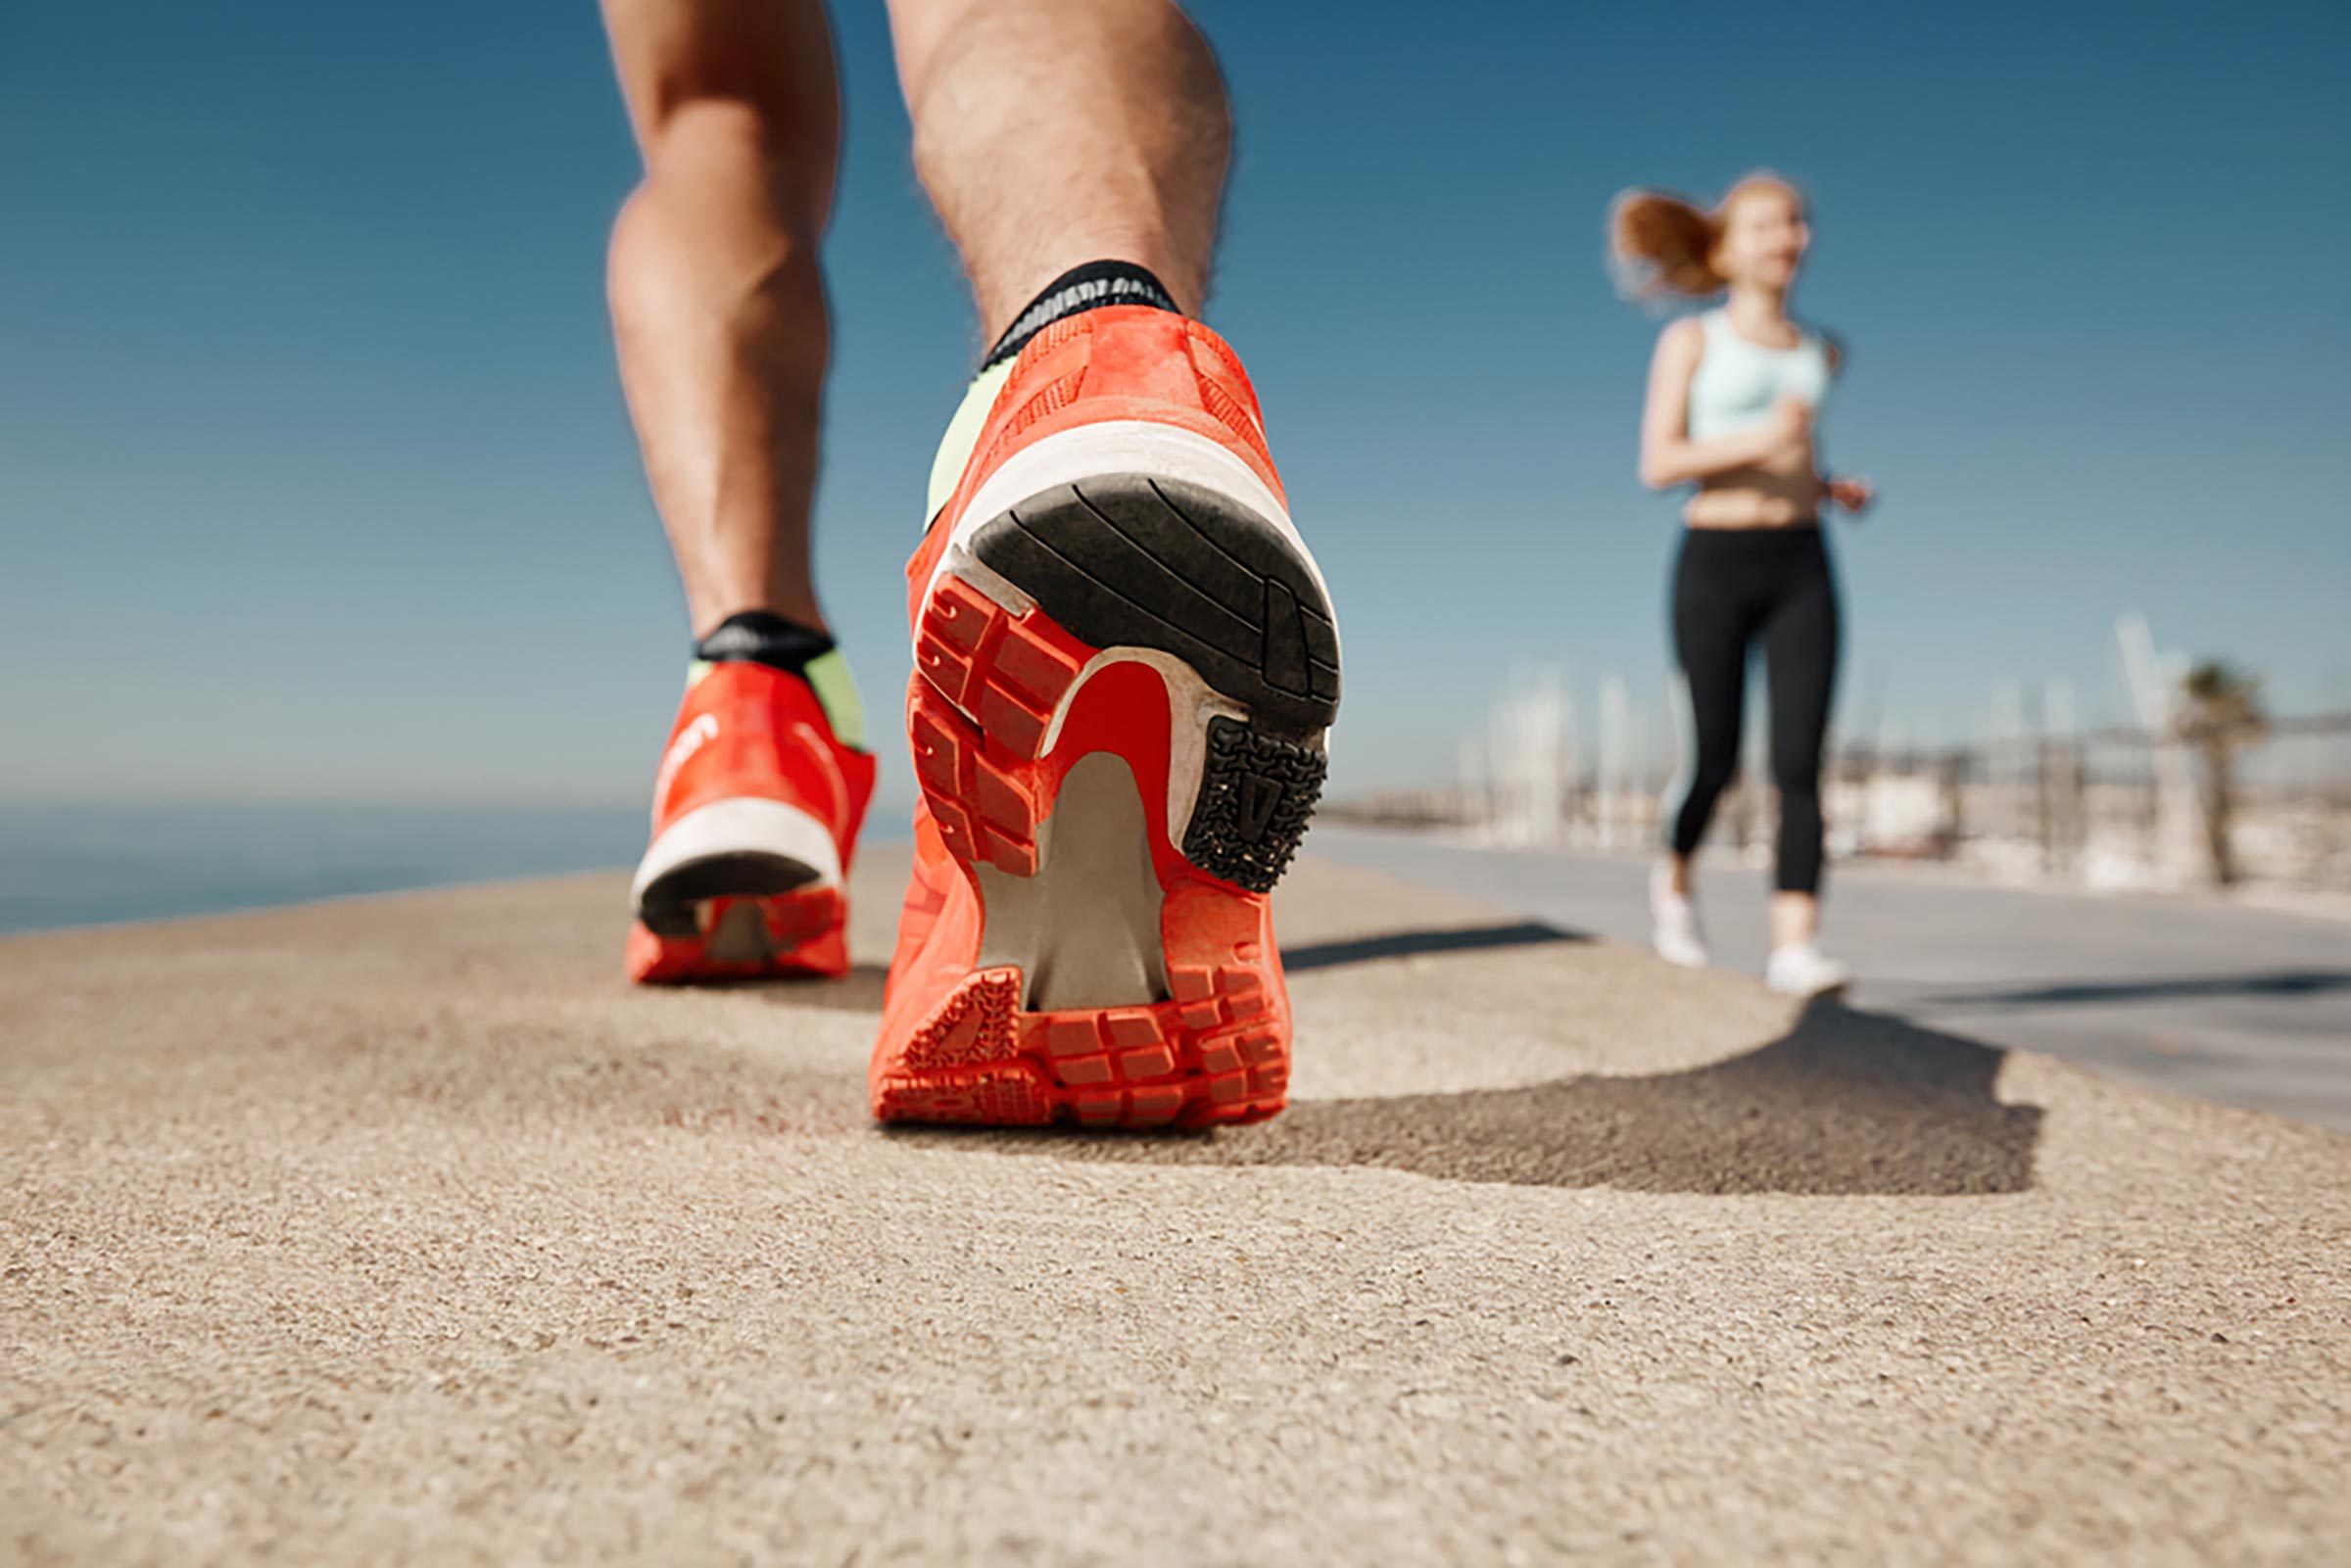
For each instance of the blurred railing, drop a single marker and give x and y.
(2111, 808)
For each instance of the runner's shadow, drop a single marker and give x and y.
(1414, 945)
(1845, 1103)
(2176, 989)
(861, 990)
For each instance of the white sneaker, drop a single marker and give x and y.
(1803, 971)
(1676, 934)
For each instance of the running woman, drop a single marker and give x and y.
(1124, 658)
(1733, 396)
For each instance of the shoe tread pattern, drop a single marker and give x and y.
(1132, 560)
(1215, 1052)
(1210, 1056)
(1256, 796)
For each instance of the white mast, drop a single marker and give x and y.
(2155, 694)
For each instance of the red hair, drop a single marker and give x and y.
(1661, 243)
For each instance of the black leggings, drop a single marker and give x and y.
(1730, 587)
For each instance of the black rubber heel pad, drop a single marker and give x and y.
(1257, 793)
(1127, 561)
(667, 904)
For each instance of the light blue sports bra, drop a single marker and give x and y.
(1738, 380)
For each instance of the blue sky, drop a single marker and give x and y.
(315, 482)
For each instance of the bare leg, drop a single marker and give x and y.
(1054, 133)
(717, 303)
(1795, 919)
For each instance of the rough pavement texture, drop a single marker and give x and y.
(400, 1229)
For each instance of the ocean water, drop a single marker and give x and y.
(87, 865)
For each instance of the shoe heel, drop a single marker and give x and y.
(1010, 717)
(1257, 796)
(743, 889)
(741, 937)
(1130, 561)
(1229, 601)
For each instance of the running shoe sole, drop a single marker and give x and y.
(1174, 627)
(739, 889)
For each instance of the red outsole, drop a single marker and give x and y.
(804, 932)
(1218, 1050)
(978, 1059)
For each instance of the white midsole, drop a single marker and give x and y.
(747, 825)
(1098, 451)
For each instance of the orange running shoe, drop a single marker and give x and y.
(755, 816)
(1124, 668)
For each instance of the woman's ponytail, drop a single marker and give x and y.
(1659, 243)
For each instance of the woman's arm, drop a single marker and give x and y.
(1668, 456)
(1848, 491)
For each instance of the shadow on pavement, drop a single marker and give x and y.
(2276, 982)
(1845, 1103)
(1406, 944)
(861, 990)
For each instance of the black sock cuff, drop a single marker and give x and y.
(760, 636)
(1080, 288)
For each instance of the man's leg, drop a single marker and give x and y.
(1054, 133)
(720, 317)
(1125, 658)
(716, 300)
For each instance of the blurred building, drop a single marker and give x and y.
(2034, 797)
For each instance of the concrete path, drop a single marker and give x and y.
(399, 1230)
(2248, 1006)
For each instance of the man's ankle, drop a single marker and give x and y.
(1084, 288)
(762, 637)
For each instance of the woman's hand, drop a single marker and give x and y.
(1853, 495)
(1790, 423)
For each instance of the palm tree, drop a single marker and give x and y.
(2220, 715)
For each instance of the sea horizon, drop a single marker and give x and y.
(65, 865)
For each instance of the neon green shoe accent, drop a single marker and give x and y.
(828, 676)
(963, 434)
